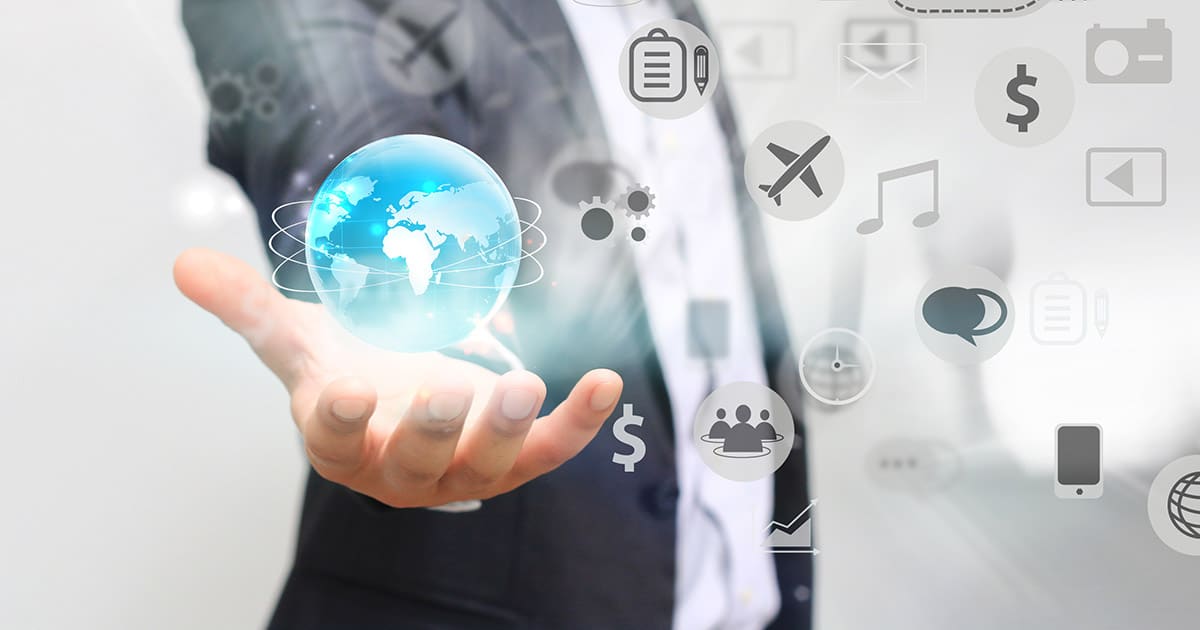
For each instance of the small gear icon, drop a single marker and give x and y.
(597, 221)
(266, 108)
(637, 201)
(637, 234)
(267, 76)
(229, 97)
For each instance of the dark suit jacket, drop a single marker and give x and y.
(587, 546)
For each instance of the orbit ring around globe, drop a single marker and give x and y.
(297, 258)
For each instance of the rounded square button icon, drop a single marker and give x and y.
(967, 8)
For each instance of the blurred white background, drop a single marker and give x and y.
(152, 478)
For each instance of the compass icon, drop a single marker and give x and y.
(837, 366)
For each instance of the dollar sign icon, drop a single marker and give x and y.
(621, 432)
(1032, 109)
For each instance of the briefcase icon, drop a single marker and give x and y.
(658, 68)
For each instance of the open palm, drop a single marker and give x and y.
(406, 429)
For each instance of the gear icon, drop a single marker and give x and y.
(637, 201)
(637, 234)
(229, 97)
(267, 76)
(266, 108)
(597, 221)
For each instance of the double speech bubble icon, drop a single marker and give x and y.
(959, 311)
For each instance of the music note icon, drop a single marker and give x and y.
(925, 219)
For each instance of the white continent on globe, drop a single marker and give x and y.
(420, 224)
(423, 220)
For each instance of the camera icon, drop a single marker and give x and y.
(1130, 55)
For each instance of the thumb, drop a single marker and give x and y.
(234, 291)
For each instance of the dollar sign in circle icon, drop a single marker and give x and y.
(621, 432)
(1032, 109)
(1029, 107)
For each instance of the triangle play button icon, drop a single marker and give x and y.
(876, 46)
(1122, 177)
(752, 51)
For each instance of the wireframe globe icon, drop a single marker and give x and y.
(413, 242)
(1183, 505)
(1173, 505)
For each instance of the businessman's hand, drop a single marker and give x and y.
(408, 430)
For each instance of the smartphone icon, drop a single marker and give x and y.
(1080, 459)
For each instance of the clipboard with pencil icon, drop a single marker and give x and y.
(669, 69)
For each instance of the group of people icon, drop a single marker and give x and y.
(742, 437)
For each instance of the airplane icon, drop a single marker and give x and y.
(426, 39)
(797, 166)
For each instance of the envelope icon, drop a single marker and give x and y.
(881, 73)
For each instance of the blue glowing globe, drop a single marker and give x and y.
(413, 242)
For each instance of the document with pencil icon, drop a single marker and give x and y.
(669, 68)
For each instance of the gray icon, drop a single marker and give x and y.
(1025, 97)
(922, 220)
(743, 431)
(708, 329)
(1126, 177)
(621, 432)
(880, 61)
(1130, 55)
(1101, 311)
(967, 8)
(795, 536)
(758, 50)
(1174, 505)
(963, 315)
(1079, 456)
(914, 466)
(837, 367)
(228, 98)
(637, 202)
(865, 40)
(794, 171)
(669, 69)
(424, 47)
(959, 310)
(597, 219)
(231, 96)
(1058, 311)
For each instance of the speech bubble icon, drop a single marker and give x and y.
(959, 311)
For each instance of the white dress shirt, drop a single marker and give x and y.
(723, 578)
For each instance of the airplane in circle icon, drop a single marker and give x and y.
(797, 166)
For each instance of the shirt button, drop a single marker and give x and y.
(802, 594)
(660, 499)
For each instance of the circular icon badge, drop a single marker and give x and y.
(794, 171)
(837, 366)
(1174, 505)
(965, 315)
(424, 48)
(744, 431)
(1025, 97)
(669, 69)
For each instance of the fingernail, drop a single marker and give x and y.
(604, 396)
(349, 409)
(446, 406)
(518, 404)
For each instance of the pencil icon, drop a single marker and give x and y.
(701, 67)
(1101, 312)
